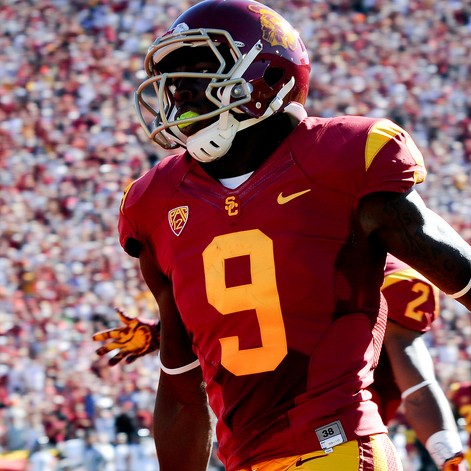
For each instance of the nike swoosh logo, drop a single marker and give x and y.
(285, 199)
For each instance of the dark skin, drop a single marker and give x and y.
(249, 150)
(181, 408)
(405, 227)
(389, 222)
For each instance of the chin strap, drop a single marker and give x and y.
(214, 141)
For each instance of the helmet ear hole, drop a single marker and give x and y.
(273, 75)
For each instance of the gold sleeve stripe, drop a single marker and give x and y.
(121, 208)
(418, 157)
(401, 275)
(380, 134)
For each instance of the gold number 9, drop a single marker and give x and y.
(260, 295)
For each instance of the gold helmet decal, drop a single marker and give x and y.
(275, 29)
(177, 218)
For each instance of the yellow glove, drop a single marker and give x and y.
(136, 338)
(455, 464)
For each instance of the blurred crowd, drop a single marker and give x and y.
(70, 143)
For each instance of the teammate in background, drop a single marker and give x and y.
(264, 244)
(405, 364)
(405, 372)
(460, 396)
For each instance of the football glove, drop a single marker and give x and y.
(136, 338)
(455, 463)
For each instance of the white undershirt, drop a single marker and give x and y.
(234, 182)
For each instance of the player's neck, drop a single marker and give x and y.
(252, 147)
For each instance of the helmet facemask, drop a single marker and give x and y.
(226, 90)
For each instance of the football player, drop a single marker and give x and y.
(263, 242)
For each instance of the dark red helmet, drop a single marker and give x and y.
(264, 67)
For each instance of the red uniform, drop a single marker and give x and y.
(413, 303)
(276, 289)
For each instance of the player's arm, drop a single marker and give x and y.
(405, 227)
(415, 376)
(182, 418)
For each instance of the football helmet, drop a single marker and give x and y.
(263, 69)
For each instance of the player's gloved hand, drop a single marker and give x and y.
(136, 338)
(455, 463)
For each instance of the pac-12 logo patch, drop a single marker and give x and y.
(177, 218)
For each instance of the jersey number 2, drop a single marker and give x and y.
(260, 295)
(412, 310)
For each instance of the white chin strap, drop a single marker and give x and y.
(214, 141)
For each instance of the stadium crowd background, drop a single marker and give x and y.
(70, 143)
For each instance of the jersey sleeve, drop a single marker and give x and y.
(412, 300)
(148, 195)
(357, 155)
(127, 233)
(392, 160)
(130, 223)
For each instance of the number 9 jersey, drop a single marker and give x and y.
(276, 285)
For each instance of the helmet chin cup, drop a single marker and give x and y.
(212, 142)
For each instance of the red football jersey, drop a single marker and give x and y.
(277, 291)
(413, 302)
